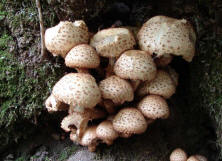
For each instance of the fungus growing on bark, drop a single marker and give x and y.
(60, 39)
(129, 121)
(178, 155)
(82, 57)
(135, 65)
(164, 35)
(79, 90)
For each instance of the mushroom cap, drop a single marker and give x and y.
(193, 158)
(136, 65)
(200, 157)
(82, 56)
(164, 35)
(116, 89)
(89, 137)
(154, 107)
(64, 36)
(129, 121)
(53, 105)
(113, 41)
(162, 85)
(173, 74)
(178, 155)
(77, 89)
(105, 131)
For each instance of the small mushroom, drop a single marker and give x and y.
(90, 138)
(154, 107)
(82, 57)
(106, 132)
(64, 36)
(79, 121)
(178, 155)
(164, 35)
(200, 157)
(135, 65)
(164, 60)
(116, 90)
(52, 104)
(193, 158)
(162, 85)
(79, 90)
(129, 121)
(111, 43)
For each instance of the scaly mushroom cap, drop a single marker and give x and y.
(178, 155)
(106, 132)
(154, 107)
(201, 157)
(116, 89)
(162, 85)
(82, 56)
(136, 65)
(53, 105)
(164, 35)
(77, 89)
(113, 41)
(89, 138)
(193, 158)
(129, 121)
(64, 36)
(164, 60)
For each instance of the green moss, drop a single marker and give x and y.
(67, 152)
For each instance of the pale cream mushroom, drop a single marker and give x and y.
(154, 107)
(200, 157)
(135, 65)
(52, 104)
(162, 85)
(178, 155)
(111, 43)
(106, 132)
(115, 91)
(164, 60)
(79, 90)
(82, 57)
(129, 121)
(60, 39)
(164, 35)
(193, 158)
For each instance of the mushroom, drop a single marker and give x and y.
(64, 36)
(79, 90)
(164, 60)
(129, 121)
(164, 35)
(193, 158)
(111, 43)
(200, 157)
(135, 65)
(154, 107)
(82, 57)
(52, 104)
(178, 155)
(106, 132)
(89, 138)
(173, 74)
(162, 85)
(116, 90)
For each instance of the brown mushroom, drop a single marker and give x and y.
(52, 104)
(154, 107)
(135, 65)
(64, 36)
(82, 57)
(129, 121)
(162, 85)
(79, 90)
(116, 90)
(178, 155)
(106, 132)
(111, 43)
(164, 35)
(200, 157)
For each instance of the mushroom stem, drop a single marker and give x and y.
(108, 142)
(135, 84)
(109, 69)
(125, 135)
(109, 106)
(82, 70)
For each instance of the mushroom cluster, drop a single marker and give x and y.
(122, 86)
